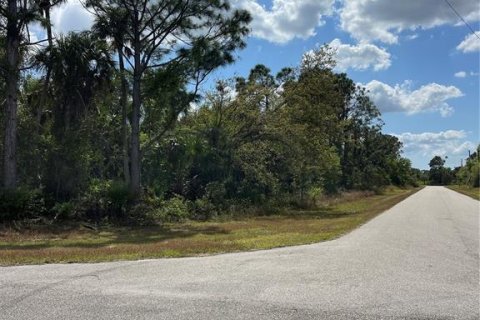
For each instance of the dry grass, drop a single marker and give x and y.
(466, 190)
(195, 238)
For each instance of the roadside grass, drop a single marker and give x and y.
(467, 190)
(290, 227)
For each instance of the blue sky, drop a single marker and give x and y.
(417, 59)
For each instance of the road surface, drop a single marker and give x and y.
(419, 260)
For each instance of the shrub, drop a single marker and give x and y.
(204, 209)
(104, 199)
(172, 210)
(63, 210)
(93, 203)
(215, 192)
(21, 204)
(119, 196)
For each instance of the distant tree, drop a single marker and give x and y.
(439, 175)
(436, 162)
(261, 78)
(469, 174)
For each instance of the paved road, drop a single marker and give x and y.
(419, 260)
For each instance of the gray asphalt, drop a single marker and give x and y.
(418, 260)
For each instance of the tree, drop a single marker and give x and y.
(14, 17)
(439, 175)
(198, 35)
(81, 68)
(261, 78)
(111, 23)
(45, 7)
(469, 174)
(436, 163)
(357, 116)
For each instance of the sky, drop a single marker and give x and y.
(418, 60)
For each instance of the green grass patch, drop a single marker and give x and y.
(291, 227)
(467, 190)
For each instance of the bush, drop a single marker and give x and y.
(313, 196)
(172, 210)
(93, 203)
(21, 204)
(215, 192)
(104, 199)
(204, 209)
(475, 175)
(119, 196)
(63, 210)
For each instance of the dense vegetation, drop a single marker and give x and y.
(467, 175)
(109, 124)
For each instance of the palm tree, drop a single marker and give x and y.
(45, 7)
(81, 66)
(111, 24)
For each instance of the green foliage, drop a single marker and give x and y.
(272, 142)
(440, 175)
(103, 200)
(203, 209)
(64, 210)
(119, 197)
(469, 174)
(174, 209)
(21, 204)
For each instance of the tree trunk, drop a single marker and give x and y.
(135, 138)
(135, 156)
(135, 160)
(49, 26)
(123, 105)
(44, 95)
(12, 78)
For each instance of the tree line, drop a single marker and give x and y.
(467, 174)
(110, 123)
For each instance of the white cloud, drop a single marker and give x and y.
(401, 98)
(429, 144)
(360, 57)
(470, 44)
(71, 16)
(286, 19)
(412, 36)
(464, 74)
(384, 20)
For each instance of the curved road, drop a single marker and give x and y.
(418, 260)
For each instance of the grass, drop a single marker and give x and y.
(336, 218)
(467, 190)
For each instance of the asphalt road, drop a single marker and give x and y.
(419, 260)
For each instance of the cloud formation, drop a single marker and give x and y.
(443, 143)
(286, 19)
(401, 98)
(470, 44)
(369, 20)
(460, 74)
(360, 57)
(71, 16)
(283, 22)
